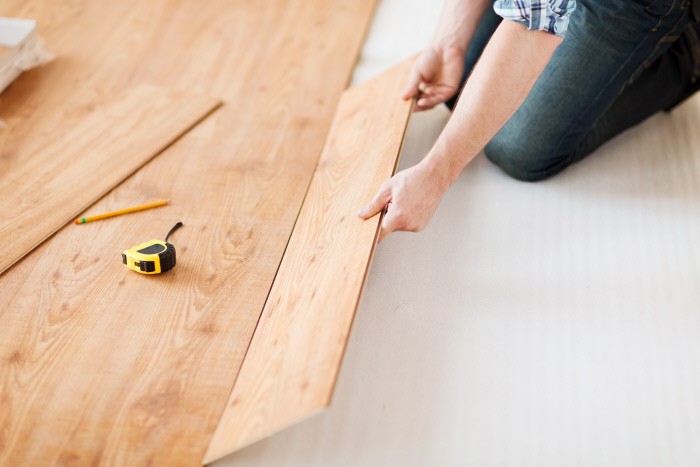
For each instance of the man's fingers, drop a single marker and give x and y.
(378, 203)
(388, 225)
(428, 102)
(411, 89)
(385, 229)
(382, 235)
(424, 104)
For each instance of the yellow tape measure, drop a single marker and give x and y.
(152, 257)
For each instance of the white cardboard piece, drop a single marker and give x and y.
(20, 49)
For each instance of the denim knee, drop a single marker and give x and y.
(523, 160)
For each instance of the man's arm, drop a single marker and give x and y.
(437, 73)
(500, 82)
(458, 22)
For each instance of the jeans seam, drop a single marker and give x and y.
(658, 23)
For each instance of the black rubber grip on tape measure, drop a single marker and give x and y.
(167, 258)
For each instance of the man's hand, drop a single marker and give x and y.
(411, 198)
(435, 76)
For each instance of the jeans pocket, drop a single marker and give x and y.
(650, 4)
(665, 7)
(660, 7)
(667, 39)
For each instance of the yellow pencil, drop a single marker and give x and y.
(154, 204)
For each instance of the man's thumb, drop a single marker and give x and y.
(378, 203)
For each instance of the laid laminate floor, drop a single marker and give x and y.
(109, 144)
(102, 365)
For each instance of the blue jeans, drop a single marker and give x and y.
(621, 62)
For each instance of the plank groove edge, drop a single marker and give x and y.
(291, 366)
(85, 162)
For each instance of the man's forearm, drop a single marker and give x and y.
(502, 79)
(500, 82)
(458, 22)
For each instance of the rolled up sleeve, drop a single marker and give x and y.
(551, 16)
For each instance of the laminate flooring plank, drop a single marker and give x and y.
(98, 364)
(91, 47)
(84, 163)
(291, 366)
(242, 51)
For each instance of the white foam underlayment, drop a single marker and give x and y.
(547, 324)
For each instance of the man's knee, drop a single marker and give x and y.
(523, 160)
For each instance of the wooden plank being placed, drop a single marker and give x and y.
(291, 366)
(101, 365)
(83, 163)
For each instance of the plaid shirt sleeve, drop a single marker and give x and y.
(551, 16)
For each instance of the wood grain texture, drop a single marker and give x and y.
(83, 163)
(291, 366)
(99, 365)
